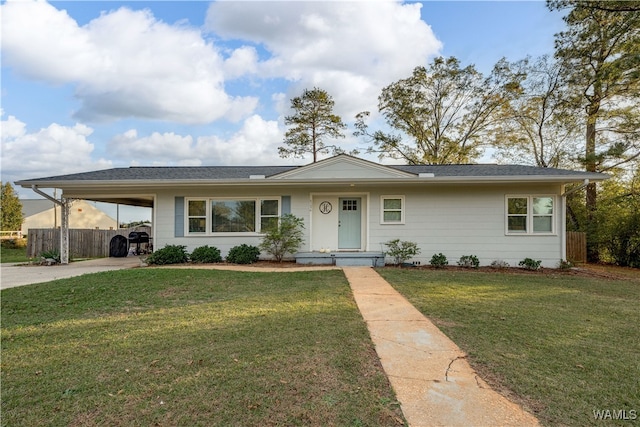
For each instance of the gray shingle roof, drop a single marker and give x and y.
(218, 173)
(152, 173)
(484, 170)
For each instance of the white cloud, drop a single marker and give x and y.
(124, 63)
(255, 143)
(350, 49)
(54, 150)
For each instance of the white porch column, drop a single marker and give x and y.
(65, 207)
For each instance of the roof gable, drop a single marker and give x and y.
(343, 166)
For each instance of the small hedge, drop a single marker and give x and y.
(439, 260)
(469, 261)
(243, 254)
(170, 254)
(530, 264)
(206, 254)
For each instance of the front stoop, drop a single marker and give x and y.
(341, 259)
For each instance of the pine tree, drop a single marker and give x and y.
(11, 209)
(311, 124)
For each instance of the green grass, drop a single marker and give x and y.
(561, 345)
(13, 255)
(192, 348)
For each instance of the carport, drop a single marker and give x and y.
(86, 186)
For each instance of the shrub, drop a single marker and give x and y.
(243, 254)
(53, 254)
(18, 243)
(439, 260)
(401, 251)
(565, 265)
(206, 254)
(170, 254)
(530, 264)
(469, 261)
(498, 263)
(283, 238)
(623, 242)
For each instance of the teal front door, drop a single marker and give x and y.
(349, 223)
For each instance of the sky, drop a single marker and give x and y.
(88, 85)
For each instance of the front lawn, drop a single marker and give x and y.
(562, 345)
(191, 348)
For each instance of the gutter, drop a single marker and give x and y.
(45, 195)
(578, 188)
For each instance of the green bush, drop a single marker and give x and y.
(283, 238)
(17, 243)
(530, 264)
(243, 254)
(206, 254)
(170, 254)
(469, 261)
(623, 242)
(53, 254)
(401, 251)
(439, 260)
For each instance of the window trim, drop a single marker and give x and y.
(402, 209)
(530, 215)
(208, 201)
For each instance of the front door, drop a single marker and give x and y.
(349, 223)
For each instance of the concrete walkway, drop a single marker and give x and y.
(429, 373)
(21, 274)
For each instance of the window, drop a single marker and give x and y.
(268, 214)
(350, 205)
(212, 216)
(197, 216)
(530, 214)
(392, 210)
(233, 216)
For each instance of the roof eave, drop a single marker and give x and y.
(280, 181)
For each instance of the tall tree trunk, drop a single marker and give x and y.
(591, 202)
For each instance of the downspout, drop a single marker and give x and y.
(564, 216)
(64, 226)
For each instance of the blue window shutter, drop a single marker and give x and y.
(286, 205)
(179, 216)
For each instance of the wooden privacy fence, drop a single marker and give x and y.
(83, 243)
(576, 246)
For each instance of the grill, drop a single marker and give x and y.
(138, 238)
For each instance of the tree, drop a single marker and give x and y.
(311, 124)
(600, 57)
(442, 113)
(11, 209)
(539, 126)
(606, 6)
(618, 216)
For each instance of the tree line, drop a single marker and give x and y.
(577, 109)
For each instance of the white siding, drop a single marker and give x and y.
(453, 219)
(459, 221)
(344, 168)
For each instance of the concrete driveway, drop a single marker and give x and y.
(19, 275)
